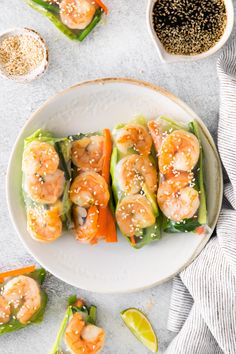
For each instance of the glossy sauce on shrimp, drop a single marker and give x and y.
(21, 295)
(134, 213)
(5, 310)
(77, 14)
(133, 171)
(40, 158)
(89, 188)
(177, 198)
(179, 152)
(44, 224)
(133, 137)
(82, 338)
(45, 189)
(87, 153)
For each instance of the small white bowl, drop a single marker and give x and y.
(170, 58)
(39, 70)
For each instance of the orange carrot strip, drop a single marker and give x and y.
(102, 222)
(200, 230)
(132, 239)
(79, 303)
(107, 154)
(105, 220)
(102, 5)
(111, 228)
(15, 272)
(93, 241)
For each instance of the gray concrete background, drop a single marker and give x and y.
(120, 47)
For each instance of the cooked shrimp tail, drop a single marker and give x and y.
(133, 138)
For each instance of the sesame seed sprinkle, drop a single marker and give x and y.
(20, 54)
(189, 27)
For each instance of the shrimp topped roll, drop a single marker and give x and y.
(22, 301)
(89, 190)
(46, 180)
(74, 18)
(181, 193)
(79, 333)
(135, 182)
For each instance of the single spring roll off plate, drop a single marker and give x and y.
(91, 106)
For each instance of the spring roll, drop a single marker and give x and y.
(45, 183)
(90, 193)
(134, 183)
(181, 194)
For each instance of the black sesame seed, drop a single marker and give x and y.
(189, 27)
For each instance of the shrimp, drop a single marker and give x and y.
(45, 189)
(177, 198)
(86, 223)
(40, 158)
(156, 133)
(133, 136)
(81, 338)
(179, 151)
(23, 294)
(135, 170)
(87, 153)
(45, 225)
(5, 311)
(134, 213)
(89, 188)
(77, 14)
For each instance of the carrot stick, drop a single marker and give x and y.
(15, 272)
(102, 5)
(111, 228)
(102, 221)
(107, 154)
(105, 220)
(79, 303)
(108, 220)
(200, 230)
(132, 239)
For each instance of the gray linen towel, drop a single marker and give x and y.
(203, 304)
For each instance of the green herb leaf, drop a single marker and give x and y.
(92, 315)
(186, 225)
(53, 8)
(72, 299)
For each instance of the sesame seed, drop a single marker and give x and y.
(189, 27)
(20, 54)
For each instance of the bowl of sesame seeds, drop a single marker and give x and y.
(23, 54)
(187, 30)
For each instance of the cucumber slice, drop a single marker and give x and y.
(202, 212)
(152, 199)
(114, 160)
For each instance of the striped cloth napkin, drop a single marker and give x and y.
(203, 303)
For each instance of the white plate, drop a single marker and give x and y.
(109, 268)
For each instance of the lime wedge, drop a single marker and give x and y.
(139, 325)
